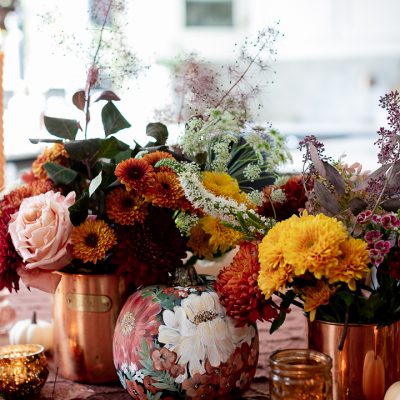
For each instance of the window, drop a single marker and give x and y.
(209, 13)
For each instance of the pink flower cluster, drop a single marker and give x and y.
(382, 234)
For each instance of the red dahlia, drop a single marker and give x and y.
(238, 289)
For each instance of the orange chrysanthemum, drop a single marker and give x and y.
(166, 191)
(135, 174)
(91, 240)
(238, 290)
(315, 296)
(125, 207)
(154, 157)
(56, 154)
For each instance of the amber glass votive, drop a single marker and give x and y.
(23, 370)
(300, 374)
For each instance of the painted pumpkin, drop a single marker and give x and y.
(177, 342)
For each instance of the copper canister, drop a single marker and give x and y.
(369, 362)
(85, 311)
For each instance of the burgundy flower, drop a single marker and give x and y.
(376, 257)
(199, 387)
(9, 258)
(364, 216)
(295, 200)
(372, 236)
(149, 253)
(390, 221)
(382, 246)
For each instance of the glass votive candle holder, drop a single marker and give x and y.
(300, 374)
(23, 370)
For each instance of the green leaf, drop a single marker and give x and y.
(95, 183)
(122, 156)
(158, 131)
(79, 150)
(60, 175)
(107, 169)
(79, 99)
(110, 147)
(113, 121)
(78, 212)
(63, 128)
(36, 141)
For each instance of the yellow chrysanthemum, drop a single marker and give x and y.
(91, 240)
(125, 207)
(222, 184)
(199, 242)
(55, 153)
(222, 238)
(314, 244)
(275, 272)
(315, 296)
(353, 263)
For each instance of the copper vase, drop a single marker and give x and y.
(369, 362)
(85, 311)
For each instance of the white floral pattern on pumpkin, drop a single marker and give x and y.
(199, 330)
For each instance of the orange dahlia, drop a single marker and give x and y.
(166, 191)
(238, 289)
(56, 154)
(154, 157)
(91, 240)
(125, 207)
(14, 198)
(135, 174)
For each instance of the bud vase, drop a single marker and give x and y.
(85, 312)
(368, 363)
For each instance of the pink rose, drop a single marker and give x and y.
(41, 230)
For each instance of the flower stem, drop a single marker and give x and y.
(186, 275)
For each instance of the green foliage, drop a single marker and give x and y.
(60, 175)
(62, 128)
(113, 120)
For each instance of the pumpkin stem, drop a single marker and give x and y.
(187, 275)
(34, 318)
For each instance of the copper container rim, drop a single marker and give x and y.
(39, 349)
(85, 276)
(352, 324)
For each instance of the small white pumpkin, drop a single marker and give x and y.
(32, 331)
(393, 393)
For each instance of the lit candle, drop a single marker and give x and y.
(23, 370)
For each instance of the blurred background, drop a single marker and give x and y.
(333, 60)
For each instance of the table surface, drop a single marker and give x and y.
(25, 302)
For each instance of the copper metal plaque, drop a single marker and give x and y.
(88, 302)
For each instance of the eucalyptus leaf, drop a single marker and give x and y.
(326, 198)
(60, 127)
(357, 205)
(59, 174)
(158, 131)
(334, 177)
(95, 183)
(391, 204)
(113, 120)
(316, 160)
